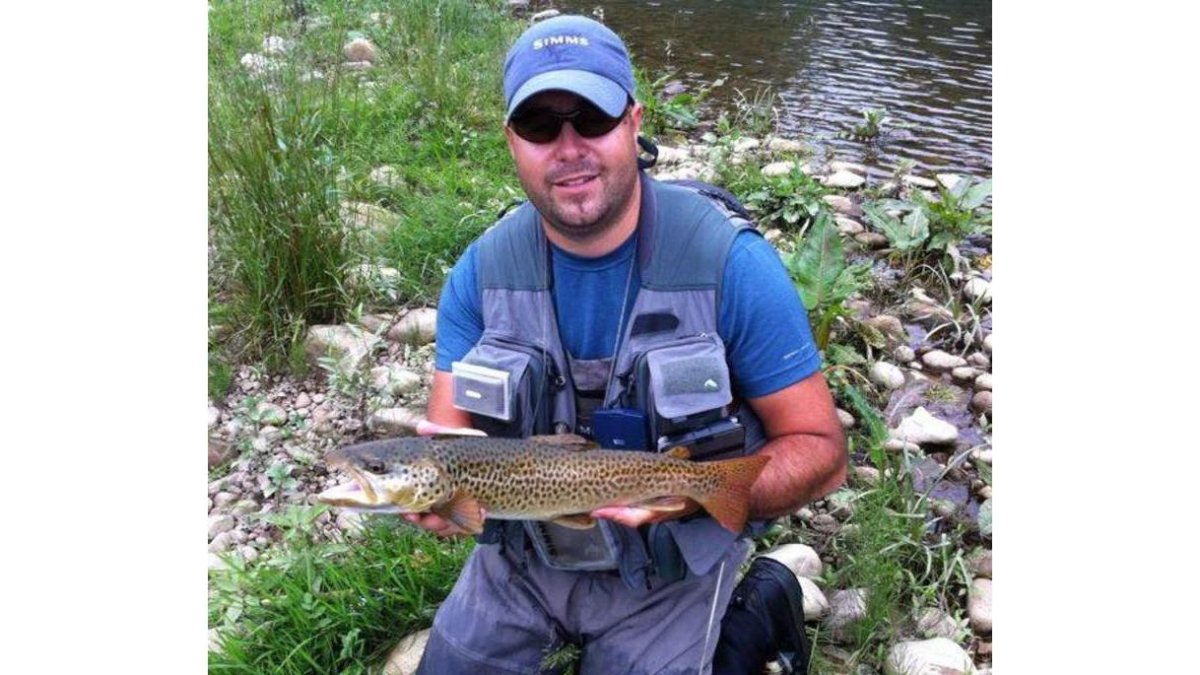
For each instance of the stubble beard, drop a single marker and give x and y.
(587, 221)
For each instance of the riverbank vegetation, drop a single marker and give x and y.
(324, 171)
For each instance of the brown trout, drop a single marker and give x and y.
(556, 478)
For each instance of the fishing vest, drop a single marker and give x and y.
(670, 366)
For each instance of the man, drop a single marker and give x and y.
(638, 313)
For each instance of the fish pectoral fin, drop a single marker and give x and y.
(463, 510)
(665, 504)
(576, 521)
(564, 441)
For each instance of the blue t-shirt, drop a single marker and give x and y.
(761, 319)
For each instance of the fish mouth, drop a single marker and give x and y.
(361, 492)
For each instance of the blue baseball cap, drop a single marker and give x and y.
(572, 53)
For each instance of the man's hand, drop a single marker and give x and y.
(634, 516)
(436, 524)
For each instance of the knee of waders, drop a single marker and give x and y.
(765, 621)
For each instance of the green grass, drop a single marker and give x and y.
(288, 149)
(330, 607)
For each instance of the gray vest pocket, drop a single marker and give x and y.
(504, 387)
(683, 385)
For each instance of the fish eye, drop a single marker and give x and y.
(374, 466)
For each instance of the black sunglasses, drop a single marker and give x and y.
(542, 125)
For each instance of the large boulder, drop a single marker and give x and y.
(922, 428)
(937, 655)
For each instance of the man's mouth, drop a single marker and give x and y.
(575, 181)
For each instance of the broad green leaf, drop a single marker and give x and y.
(817, 263)
(977, 195)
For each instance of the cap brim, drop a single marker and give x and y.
(601, 91)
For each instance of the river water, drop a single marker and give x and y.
(927, 62)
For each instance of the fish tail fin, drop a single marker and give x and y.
(729, 503)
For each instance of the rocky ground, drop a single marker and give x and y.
(370, 379)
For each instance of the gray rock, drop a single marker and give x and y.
(896, 445)
(215, 563)
(979, 563)
(964, 374)
(386, 177)
(848, 226)
(778, 168)
(845, 607)
(844, 180)
(223, 499)
(984, 382)
(801, 559)
(394, 379)
(244, 507)
(979, 360)
(866, 475)
(845, 418)
(933, 622)
(938, 656)
(889, 326)
(258, 64)
(918, 182)
(349, 521)
(979, 606)
(816, 606)
(978, 289)
(302, 401)
(668, 156)
(872, 240)
(543, 15)
(940, 360)
(773, 235)
(275, 45)
(842, 204)
(214, 417)
(350, 345)
(247, 553)
(405, 657)
(219, 524)
(745, 144)
(270, 435)
(849, 167)
(923, 428)
(982, 455)
(361, 216)
(904, 354)
(394, 422)
(887, 375)
(417, 327)
(823, 522)
(359, 50)
(987, 344)
(220, 543)
(777, 144)
(948, 180)
(981, 402)
(271, 414)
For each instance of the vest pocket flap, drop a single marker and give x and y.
(482, 390)
(689, 379)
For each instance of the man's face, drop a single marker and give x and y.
(581, 186)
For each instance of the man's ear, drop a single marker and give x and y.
(635, 115)
(510, 136)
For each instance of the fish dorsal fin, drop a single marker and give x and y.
(576, 521)
(679, 452)
(564, 441)
(463, 510)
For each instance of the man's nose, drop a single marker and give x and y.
(569, 141)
